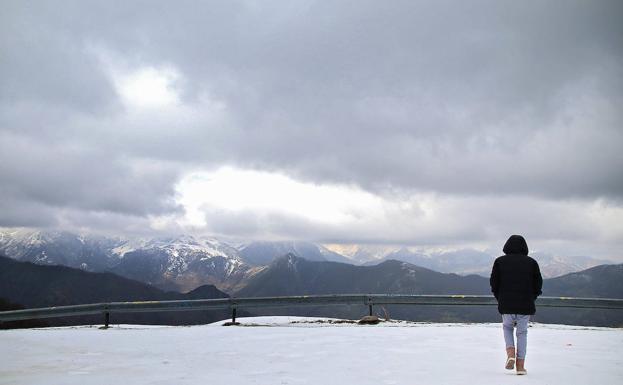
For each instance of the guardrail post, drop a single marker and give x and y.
(106, 317)
(233, 315)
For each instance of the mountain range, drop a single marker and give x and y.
(35, 285)
(185, 262)
(31, 285)
(176, 263)
(465, 261)
(292, 275)
(263, 253)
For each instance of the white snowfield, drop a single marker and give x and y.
(291, 350)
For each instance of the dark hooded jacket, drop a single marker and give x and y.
(516, 280)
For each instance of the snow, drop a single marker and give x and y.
(127, 246)
(292, 350)
(232, 265)
(183, 250)
(183, 244)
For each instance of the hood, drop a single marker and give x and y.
(516, 244)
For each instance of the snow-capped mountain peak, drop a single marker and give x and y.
(182, 262)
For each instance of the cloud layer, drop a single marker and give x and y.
(490, 110)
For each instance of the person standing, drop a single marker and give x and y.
(516, 282)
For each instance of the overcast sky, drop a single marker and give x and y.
(437, 123)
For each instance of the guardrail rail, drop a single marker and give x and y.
(233, 304)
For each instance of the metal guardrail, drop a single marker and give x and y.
(307, 300)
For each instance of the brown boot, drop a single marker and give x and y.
(520, 367)
(510, 358)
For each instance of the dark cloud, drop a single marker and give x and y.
(47, 65)
(85, 178)
(497, 98)
(250, 224)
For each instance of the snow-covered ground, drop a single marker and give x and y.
(290, 350)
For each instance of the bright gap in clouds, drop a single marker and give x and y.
(260, 192)
(148, 87)
(346, 214)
